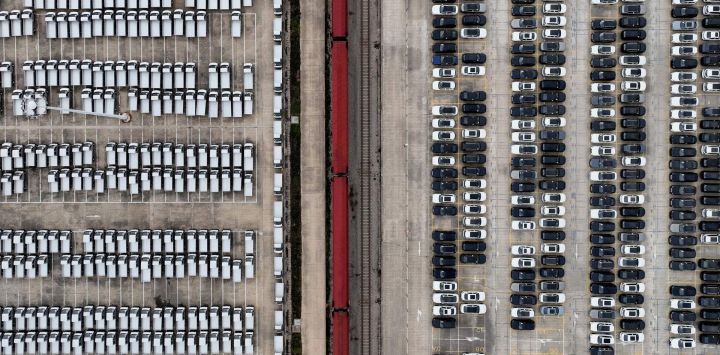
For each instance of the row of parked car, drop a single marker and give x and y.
(458, 148)
(537, 184)
(617, 173)
(686, 136)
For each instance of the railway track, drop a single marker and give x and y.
(365, 175)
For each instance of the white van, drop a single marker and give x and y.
(277, 7)
(277, 56)
(249, 243)
(279, 290)
(278, 265)
(278, 210)
(277, 156)
(277, 104)
(277, 81)
(277, 29)
(278, 239)
(250, 267)
(277, 184)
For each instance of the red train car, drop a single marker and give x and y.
(339, 102)
(339, 205)
(339, 18)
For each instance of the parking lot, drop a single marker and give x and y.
(37, 208)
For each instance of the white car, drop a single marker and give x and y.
(710, 238)
(682, 343)
(443, 198)
(677, 303)
(474, 209)
(602, 213)
(711, 35)
(710, 149)
(523, 86)
(554, 122)
(553, 211)
(553, 197)
(632, 199)
(552, 297)
(602, 49)
(472, 296)
(603, 138)
(632, 60)
(683, 76)
(523, 262)
(444, 310)
(632, 287)
(553, 33)
(473, 308)
(468, 133)
(602, 327)
(679, 101)
(474, 221)
(523, 149)
(632, 249)
(444, 10)
(602, 112)
(628, 337)
(444, 286)
(443, 73)
(682, 329)
(445, 298)
(633, 161)
(634, 72)
(520, 137)
(522, 250)
(474, 234)
(550, 8)
(443, 123)
(444, 110)
(683, 89)
(711, 87)
(554, 21)
(553, 71)
(522, 312)
(552, 222)
(711, 73)
(522, 124)
(603, 2)
(602, 339)
(684, 2)
(603, 302)
(474, 183)
(439, 136)
(683, 127)
(443, 85)
(711, 10)
(684, 50)
(524, 36)
(553, 248)
(473, 32)
(633, 86)
(711, 213)
(683, 114)
(523, 225)
(631, 262)
(472, 70)
(443, 161)
(684, 38)
(632, 312)
(602, 150)
(518, 200)
(602, 87)
(474, 196)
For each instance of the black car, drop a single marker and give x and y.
(633, 148)
(522, 48)
(710, 327)
(636, 123)
(523, 99)
(519, 162)
(710, 175)
(603, 37)
(473, 108)
(710, 163)
(709, 301)
(683, 177)
(473, 121)
(602, 264)
(552, 235)
(522, 61)
(444, 48)
(632, 324)
(682, 316)
(444, 173)
(523, 111)
(710, 339)
(684, 12)
(713, 264)
(633, 47)
(524, 74)
(473, 171)
(632, 110)
(444, 248)
(711, 314)
(472, 259)
(597, 226)
(473, 246)
(444, 22)
(522, 275)
(552, 59)
(473, 95)
(552, 46)
(552, 260)
(474, 58)
(552, 110)
(712, 188)
(680, 265)
(444, 148)
(444, 35)
(473, 146)
(522, 324)
(603, 24)
(552, 85)
(444, 273)
(632, 9)
(444, 210)
(552, 96)
(600, 251)
(631, 237)
(550, 135)
(711, 111)
(707, 48)
(633, 22)
(598, 75)
(682, 291)
(522, 187)
(552, 147)
(710, 289)
(440, 185)
(632, 224)
(602, 201)
(602, 188)
(633, 136)
(682, 202)
(632, 174)
(602, 276)
(680, 164)
(552, 185)
(552, 273)
(682, 139)
(603, 62)
(523, 300)
(632, 186)
(603, 289)
(683, 63)
(710, 276)
(632, 211)
(711, 22)
(682, 152)
(474, 159)
(631, 274)
(599, 125)
(710, 61)
(552, 172)
(633, 35)
(444, 60)
(710, 124)
(523, 10)
(602, 162)
(443, 322)
(474, 20)
(710, 200)
(444, 236)
(441, 261)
